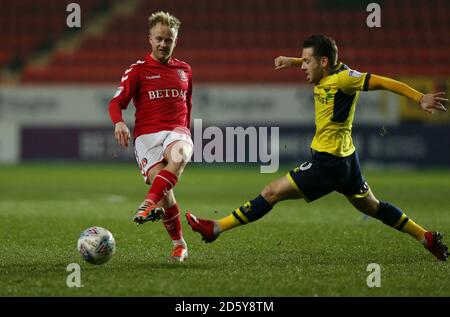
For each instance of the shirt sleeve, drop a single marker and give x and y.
(124, 93)
(351, 81)
(115, 112)
(380, 82)
(297, 61)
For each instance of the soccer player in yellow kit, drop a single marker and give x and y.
(334, 165)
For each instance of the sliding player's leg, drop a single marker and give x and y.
(306, 181)
(397, 219)
(252, 210)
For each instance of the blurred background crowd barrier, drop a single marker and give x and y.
(56, 81)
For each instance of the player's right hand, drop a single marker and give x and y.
(122, 133)
(282, 62)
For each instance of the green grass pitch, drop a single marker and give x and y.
(298, 249)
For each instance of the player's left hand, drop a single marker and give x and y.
(431, 102)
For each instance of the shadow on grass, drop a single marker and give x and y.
(162, 265)
(24, 269)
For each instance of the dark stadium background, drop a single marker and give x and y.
(49, 69)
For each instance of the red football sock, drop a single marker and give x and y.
(171, 221)
(162, 183)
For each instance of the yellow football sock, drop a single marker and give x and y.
(414, 230)
(250, 211)
(228, 222)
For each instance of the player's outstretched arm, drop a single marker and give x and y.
(428, 102)
(282, 62)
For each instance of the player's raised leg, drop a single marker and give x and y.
(177, 149)
(394, 217)
(274, 192)
(177, 154)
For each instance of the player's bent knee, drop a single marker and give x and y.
(374, 206)
(366, 205)
(270, 194)
(371, 204)
(180, 153)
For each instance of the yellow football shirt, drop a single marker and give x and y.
(335, 98)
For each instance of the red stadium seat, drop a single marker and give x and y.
(237, 40)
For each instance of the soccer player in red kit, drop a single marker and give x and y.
(161, 88)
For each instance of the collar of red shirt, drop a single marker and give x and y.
(150, 59)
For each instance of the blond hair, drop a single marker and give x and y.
(165, 18)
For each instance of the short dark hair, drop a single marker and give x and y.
(322, 46)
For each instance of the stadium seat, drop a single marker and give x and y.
(236, 40)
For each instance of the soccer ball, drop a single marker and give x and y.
(96, 245)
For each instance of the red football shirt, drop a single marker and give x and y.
(162, 95)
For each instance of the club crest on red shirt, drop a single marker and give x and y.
(182, 75)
